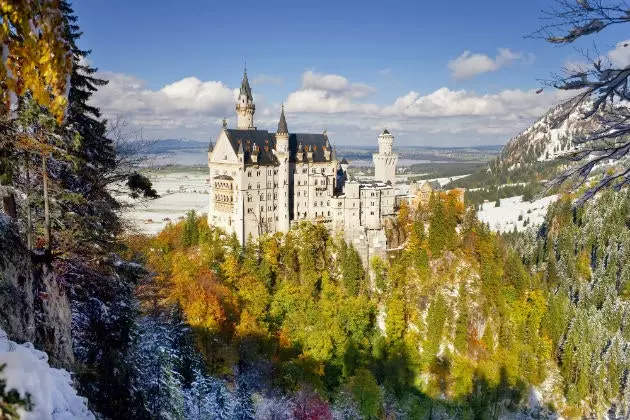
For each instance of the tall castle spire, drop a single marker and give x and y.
(245, 107)
(282, 124)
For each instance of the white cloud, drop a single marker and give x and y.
(620, 56)
(468, 65)
(193, 108)
(264, 79)
(385, 72)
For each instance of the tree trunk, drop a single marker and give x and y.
(29, 221)
(47, 235)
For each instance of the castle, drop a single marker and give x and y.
(263, 182)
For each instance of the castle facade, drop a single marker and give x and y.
(264, 182)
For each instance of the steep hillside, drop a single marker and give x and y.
(549, 137)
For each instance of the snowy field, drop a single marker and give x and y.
(505, 217)
(180, 191)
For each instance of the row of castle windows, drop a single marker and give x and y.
(223, 185)
(223, 198)
(262, 197)
(275, 172)
(250, 210)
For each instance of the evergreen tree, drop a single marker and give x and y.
(437, 228)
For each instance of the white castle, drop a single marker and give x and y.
(262, 182)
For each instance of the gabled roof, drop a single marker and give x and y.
(249, 141)
(314, 142)
(265, 142)
(344, 162)
(385, 131)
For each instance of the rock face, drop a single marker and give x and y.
(34, 306)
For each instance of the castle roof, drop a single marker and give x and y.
(282, 124)
(245, 88)
(344, 161)
(385, 131)
(265, 142)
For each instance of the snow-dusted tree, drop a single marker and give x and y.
(200, 398)
(243, 404)
(601, 88)
(156, 379)
(222, 402)
(274, 407)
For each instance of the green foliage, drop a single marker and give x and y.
(10, 401)
(367, 394)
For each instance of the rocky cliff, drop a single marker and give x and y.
(34, 305)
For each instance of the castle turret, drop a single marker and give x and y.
(245, 107)
(282, 153)
(385, 161)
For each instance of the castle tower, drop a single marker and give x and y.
(282, 153)
(385, 161)
(245, 106)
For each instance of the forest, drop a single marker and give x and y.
(462, 323)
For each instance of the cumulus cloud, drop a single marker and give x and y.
(328, 93)
(468, 65)
(194, 108)
(184, 104)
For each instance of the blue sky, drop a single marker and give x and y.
(350, 67)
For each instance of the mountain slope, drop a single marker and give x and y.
(550, 136)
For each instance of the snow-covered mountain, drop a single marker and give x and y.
(549, 137)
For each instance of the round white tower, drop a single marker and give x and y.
(245, 107)
(385, 161)
(385, 142)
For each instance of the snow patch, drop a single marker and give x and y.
(50, 389)
(506, 217)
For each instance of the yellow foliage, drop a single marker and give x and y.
(35, 55)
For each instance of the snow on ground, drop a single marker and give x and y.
(403, 189)
(179, 192)
(505, 217)
(50, 389)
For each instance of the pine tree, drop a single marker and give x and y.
(243, 405)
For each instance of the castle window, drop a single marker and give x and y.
(258, 173)
(249, 173)
(262, 209)
(315, 182)
(262, 197)
(275, 196)
(298, 194)
(323, 170)
(372, 213)
(269, 172)
(298, 205)
(329, 213)
(269, 208)
(224, 157)
(249, 186)
(315, 204)
(328, 203)
(258, 186)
